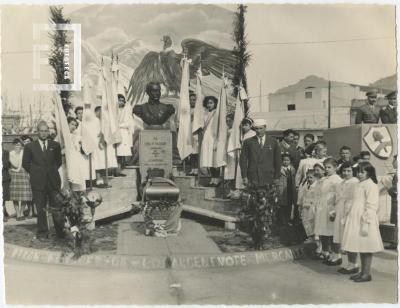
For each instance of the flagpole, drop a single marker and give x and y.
(90, 172)
(106, 164)
(200, 141)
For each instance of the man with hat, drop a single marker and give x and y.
(260, 159)
(389, 113)
(369, 113)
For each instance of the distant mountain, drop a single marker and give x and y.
(389, 83)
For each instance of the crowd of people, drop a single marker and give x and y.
(335, 200)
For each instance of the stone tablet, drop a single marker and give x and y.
(155, 153)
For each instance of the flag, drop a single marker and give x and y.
(113, 102)
(198, 116)
(89, 138)
(185, 126)
(222, 129)
(108, 120)
(236, 132)
(73, 174)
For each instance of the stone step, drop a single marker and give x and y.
(117, 199)
(187, 184)
(230, 221)
(203, 200)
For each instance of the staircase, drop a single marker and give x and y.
(205, 201)
(119, 197)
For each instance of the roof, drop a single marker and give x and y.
(302, 119)
(389, 82)
(313, 81)
(310, 82)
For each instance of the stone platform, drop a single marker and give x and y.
(192, 239)
(117, 199)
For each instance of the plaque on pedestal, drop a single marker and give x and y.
(155, 153)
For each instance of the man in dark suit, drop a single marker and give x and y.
(389, 113)
(369, 113)
(260, 159)
(41, 159)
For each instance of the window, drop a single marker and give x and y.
(291, 107)
(308, 94)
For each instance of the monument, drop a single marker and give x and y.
(160, 196)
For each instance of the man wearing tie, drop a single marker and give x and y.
(260, 159)
(369, 113)
(389, 113)
(41, 159)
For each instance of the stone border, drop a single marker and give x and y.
(179, 262)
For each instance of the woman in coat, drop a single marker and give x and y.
(361, 232)
(209, 143)
(20, 187)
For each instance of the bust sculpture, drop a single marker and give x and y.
(154, 113)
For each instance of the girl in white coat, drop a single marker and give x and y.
(361, 232)
(209, 143)
(319, 174)
(323, 223)
(306, 203)
(343, 202)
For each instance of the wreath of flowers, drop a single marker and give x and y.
(78, 209)
(258, 216)
(164, 208)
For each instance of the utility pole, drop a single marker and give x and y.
(329, 103)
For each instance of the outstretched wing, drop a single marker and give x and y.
(148, 70)
(213, 60)
(171, 70)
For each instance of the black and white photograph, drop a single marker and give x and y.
(199, 153)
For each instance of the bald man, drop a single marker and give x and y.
(41, 159)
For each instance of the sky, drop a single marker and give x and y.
(276, 35)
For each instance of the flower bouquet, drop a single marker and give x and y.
(259, 213)
(78, 208)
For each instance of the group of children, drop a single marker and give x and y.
(339, 211)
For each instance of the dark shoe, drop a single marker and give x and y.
(334, 263)
(363, 278)
(391, 246)
(356, 276)
(120, 175)
(348, 271)
(26, 212)
(103, 186)
(20, 218)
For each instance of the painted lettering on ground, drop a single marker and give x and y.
(229, 260)
(160, 262)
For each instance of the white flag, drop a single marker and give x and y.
(236, 132)
(222, 128)
(184, 143)
(73, 173)
(198, 116)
